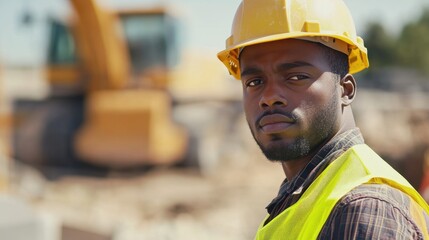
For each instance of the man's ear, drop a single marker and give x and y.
(348, 89)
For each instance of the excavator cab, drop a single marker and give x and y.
(151, 38)
(109, 103)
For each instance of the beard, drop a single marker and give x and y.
(322, 127)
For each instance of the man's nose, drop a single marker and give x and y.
(272, 96)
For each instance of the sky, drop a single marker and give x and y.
(205, 23)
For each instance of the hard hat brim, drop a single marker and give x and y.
(230, 56)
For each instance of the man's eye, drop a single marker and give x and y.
(253, 83)
(298, 77)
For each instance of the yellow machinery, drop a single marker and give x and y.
(109, 106)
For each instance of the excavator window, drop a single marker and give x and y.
(151, 40)
(61, 48)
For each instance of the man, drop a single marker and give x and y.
(295, 59)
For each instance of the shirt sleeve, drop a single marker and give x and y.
(372, 211)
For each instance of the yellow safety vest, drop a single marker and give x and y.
(358, 165)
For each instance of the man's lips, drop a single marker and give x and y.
(275, 123)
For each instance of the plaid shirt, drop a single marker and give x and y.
(370, 211)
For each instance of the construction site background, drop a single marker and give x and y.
(222, 197)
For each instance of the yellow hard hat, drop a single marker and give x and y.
(326, 21)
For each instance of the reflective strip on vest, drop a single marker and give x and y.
(358, 165)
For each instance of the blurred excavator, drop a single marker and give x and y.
(109, 104)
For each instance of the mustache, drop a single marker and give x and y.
(289, 115)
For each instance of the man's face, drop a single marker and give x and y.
(291, 100)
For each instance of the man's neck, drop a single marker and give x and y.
(293, 167)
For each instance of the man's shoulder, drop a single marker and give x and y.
(373, 210)
(367, 193)
(373, 201)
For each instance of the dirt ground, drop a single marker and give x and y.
(160, 203)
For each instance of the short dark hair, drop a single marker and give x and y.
(338, 61)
